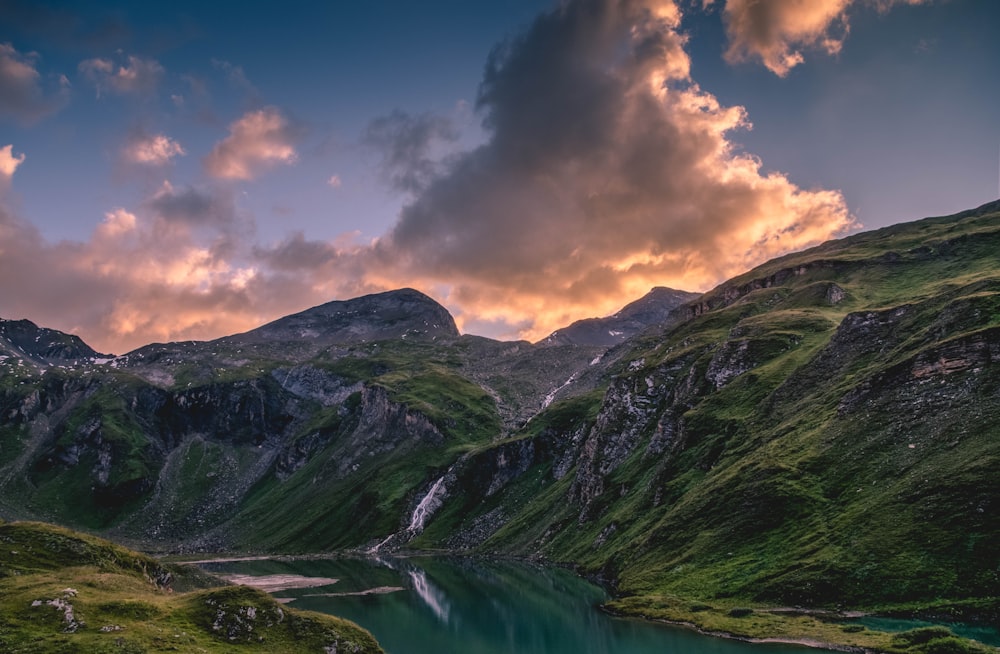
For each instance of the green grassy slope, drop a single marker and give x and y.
(62, 591)
(822, 431)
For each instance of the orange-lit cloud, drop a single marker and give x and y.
(257, 141)
(167, 271)
(607, 170)
(777, 33)
(151, 149)
(9, 163)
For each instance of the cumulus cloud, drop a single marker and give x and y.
(776, 33)
(259, 140)
(151, 149)
(8, 164)
(22, 96)
(168, 270)
(134, 76)
(406, 142)
(607, 170)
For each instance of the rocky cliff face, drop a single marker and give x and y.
(404, 313)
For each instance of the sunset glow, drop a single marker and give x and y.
(564, 160)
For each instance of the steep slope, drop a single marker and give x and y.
(823, 430)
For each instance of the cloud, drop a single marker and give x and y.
(135, 76)
(21, 94)
(406, 143)
(257, 141)
(776, 33)
(334, 181)
(8, 164)
(151, 149)
(192, 206)
(168, 270)
(606, 170)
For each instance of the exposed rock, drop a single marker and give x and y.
(655, 308)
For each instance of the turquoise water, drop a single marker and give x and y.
(986, 635)
(449, 605)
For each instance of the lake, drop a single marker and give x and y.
(424, 605)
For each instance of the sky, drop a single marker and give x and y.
(188, 170)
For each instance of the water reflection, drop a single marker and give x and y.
(431, 596)
(486, 608)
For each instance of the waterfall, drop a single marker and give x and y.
(552, 396)
(375, 549)
(428, 505)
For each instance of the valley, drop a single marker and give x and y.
(820, 432)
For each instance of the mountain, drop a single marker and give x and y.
(822, 431)
(24, 341)
(166, 444)
(405, 313)
(654, 308)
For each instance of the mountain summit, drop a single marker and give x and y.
(654, 308)
(404, 313)
(23, 339)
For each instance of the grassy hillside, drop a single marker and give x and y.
(822, 431)
(61, 591)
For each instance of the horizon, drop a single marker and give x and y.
(526, 164)
(625, 304)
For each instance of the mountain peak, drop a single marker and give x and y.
(403, 313)
(23, 338)
(651, 309)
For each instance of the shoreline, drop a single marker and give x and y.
(805, 642)
(819, 614)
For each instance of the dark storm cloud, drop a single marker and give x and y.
(405, 143)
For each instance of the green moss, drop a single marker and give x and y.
(117, 605)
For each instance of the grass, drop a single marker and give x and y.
(62, 591)
(823, 434)
(824, 453)
(767, 623)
